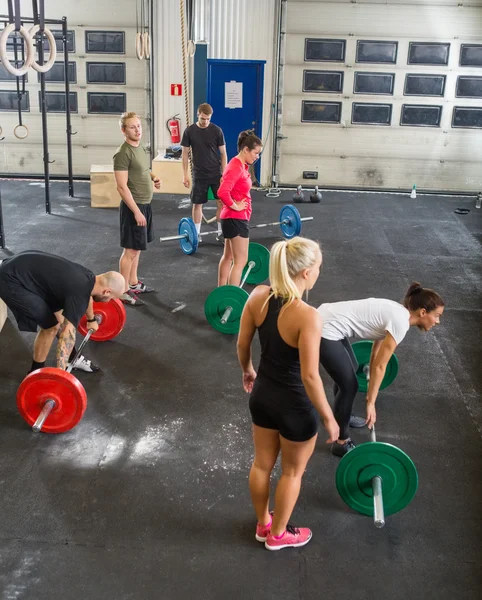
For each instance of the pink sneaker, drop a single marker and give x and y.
(263, 530)
(293, 537)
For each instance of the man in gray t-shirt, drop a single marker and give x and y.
(206, 142)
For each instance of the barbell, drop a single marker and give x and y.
(224, 305)
(289, 222)
(363, 351)
(57, 396)
(376, 479)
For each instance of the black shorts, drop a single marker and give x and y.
(131, 235)
(232, 228)
(200, 191)
(30, 311)
(291, 414)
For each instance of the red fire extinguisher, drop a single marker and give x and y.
(174, 128)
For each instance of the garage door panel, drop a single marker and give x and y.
(372, 173)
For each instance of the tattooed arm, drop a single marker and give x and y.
(65, 344)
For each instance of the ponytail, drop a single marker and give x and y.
(288, 259)
(418, 297)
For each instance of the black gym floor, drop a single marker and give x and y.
(147, 498)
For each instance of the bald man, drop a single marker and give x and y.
(52, 293)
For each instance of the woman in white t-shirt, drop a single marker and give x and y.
(386, 323)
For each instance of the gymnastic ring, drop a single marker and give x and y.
(145, 45)
(191, 49)
(53, 49)
(28, 46)
(21, 137)
(139, 46)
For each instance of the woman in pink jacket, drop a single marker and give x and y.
(234, 193)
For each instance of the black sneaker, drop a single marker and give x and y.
(357, 421)
(86, 365)
(131, 298)
(341, 449)
(140, 288)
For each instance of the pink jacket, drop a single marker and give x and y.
(235, 186)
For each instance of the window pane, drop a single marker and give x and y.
(467, 117)
(376, 52)
(371, 114)
(9, 102)
(427, 53)
(55, 102)
(320, 112)
(56, 73)
(424, 85)
(105, 42)
(421, 116)
(106, 103)
(373, 83)
(471, 55)
(6, 76)
(323, 81)
(325, 50)
(106, 73)
(469, 87)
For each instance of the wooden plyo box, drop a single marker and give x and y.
(103, 189)
(170, 173)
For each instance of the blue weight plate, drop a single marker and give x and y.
(190, 243)
(293, 227)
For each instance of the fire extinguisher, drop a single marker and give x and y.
(174, 127)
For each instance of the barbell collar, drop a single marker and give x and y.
(171, 238)
(44, 413)
(226, 315)
(378, 512)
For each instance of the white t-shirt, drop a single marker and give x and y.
(367, 319)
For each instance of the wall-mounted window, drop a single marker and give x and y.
(469, 87)
(428, 53)
(424, 85)
(56, 73)
(105, 42)
(371, 114)
(416, 115)
(106, 73)
(320, 112)
(9, 101)
(467, 117)
(323, 81)
(55, 102)
(106, 103)
(376, 52)
(325, 50)
(470, 55)
(373, 83)
(59, 43)
(6, 76)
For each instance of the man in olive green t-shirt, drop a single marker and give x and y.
(132, 170)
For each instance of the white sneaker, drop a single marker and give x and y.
(85, 364)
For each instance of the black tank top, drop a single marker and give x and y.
(279, 361)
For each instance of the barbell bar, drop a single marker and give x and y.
(53, 400)
(289, 221)
(362, 350)
(229, 309)
(376, 479)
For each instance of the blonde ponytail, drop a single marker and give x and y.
(287, 260)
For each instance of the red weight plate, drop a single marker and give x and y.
(62, 387)
(113, 316)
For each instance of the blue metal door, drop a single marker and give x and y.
(235, 91)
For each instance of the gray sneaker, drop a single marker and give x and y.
(357, 421)
(342, 449)
(86, 365)
(132, 299)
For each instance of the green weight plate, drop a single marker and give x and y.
(362, 352)
(217, 302)
(358, 467)
(260, 256)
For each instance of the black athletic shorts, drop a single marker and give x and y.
(232, 228)
(30, 311)
(131, 235)
(200, 191)
(289, 413)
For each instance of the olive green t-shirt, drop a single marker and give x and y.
(137, 162)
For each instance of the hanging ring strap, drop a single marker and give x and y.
(139, 37)
(30, 53)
